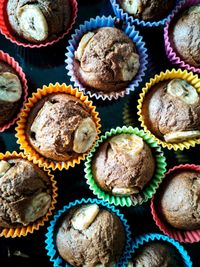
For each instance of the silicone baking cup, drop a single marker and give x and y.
(22, 122)
(171, 54)
(142, 240)
(180, 235)
(148, 191)
(95, 23)
(121, 14)
(5, 28)
(15, 65)
(29, 229)
(50, 235)
(189, 77)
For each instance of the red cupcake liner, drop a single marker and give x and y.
(21, 75)
(186, 236)
(5, 28)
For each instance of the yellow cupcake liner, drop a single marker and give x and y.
(169, 74)
(24, 230)
(25, 145)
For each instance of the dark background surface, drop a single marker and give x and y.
(46, 65)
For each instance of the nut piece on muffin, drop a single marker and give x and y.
(123, 165)
(179, 200)
(40, 20)
(60, 127)
(90, 235)
(10, 92)
(185, 35)
(106, 60)
(171, 111)
(25, 193)
(148, 10)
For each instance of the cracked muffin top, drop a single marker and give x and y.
(148, 10)
(123, 165)
(90, 235)
(38, 20)
(171, 111)
(179, 200)
(106, 59)
(185, 35)
(60, 127)
(25, 193)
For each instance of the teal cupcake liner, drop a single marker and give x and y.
(148, 191)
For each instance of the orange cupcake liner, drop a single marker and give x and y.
(24, 230)
(189, 77)
(25, 145)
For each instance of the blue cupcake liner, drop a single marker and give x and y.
(138, 242)
(121, 14)
(50, 241)
(130, 31)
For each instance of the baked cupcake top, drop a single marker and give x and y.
(25, 193)
(60, 127)
(148, 10)
(185, 35)
(40, 20)
(123, 165)
(171, 111)
(90, 235)
(106, 59)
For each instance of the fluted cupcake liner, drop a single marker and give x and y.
(15, 65)
(29, 229)
(25, 145)
(148, 191)
(186, 236)
(50, 235)
(6, 30)
(167, 75)
(171, 54)
(130, 31)
(143, 239)
(123, 15)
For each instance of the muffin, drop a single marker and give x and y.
(10, 92)
(179, 200)
(90, 235)
(60, 127)
(38, 21)
(184, 35)
(171, 111)
(25, 193)
(123, 165)
(147, 10)
(106, 60)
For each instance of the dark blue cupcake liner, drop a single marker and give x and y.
(130, 31)
(50, 241)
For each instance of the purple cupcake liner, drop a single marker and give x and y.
(121, 14)
(130, 31)
(171, 54)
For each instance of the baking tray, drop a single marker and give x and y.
(46, 65)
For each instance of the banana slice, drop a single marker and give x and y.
(133, 7)
(84, 216)
(176, 137)
(131, 67)
(84, 136)
(10, 87)
(4, 167)
(183, 90)
(127, 143)
(122, 191)
(32, 23)
(82, 45)
(130, 264)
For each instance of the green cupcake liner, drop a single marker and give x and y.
(148, 191)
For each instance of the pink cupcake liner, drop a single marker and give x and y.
(186, 236)
(15, 65)
(6, 31)
(171, 54)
